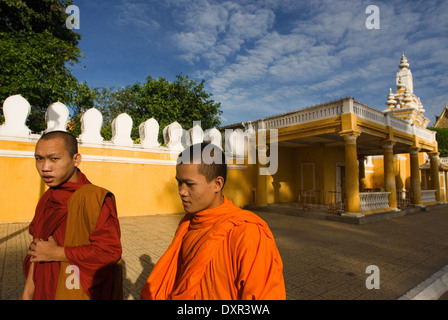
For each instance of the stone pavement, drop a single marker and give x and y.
(323, 260)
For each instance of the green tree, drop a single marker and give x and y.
(36, 51)
(442, 140)
(183, 100)
(112, 103)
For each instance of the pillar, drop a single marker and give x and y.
(351, 174)
(434, 169)
(416, 189)
(389, 173)
(362, 173)
(261, 191)
(261, 194)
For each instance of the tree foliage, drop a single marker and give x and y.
(36, 51)
(442, 140)
(183, 100)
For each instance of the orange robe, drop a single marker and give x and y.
(224, 253)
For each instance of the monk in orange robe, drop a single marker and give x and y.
(219, 251)
(76, 248)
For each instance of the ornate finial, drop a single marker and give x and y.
(407, 97)
(400, 85)
(391, 102)
(403, 62)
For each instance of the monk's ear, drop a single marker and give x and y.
(77, 159)
(218, 183)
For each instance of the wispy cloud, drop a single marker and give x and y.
(262, 57)
(213, 32)
(138, 15)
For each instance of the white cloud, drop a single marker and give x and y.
(213, 32)
(136, 14)
(325, 53)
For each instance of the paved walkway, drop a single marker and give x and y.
(322, 259)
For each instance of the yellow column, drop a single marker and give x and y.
(389, 173)
(351, 174)
(416, 188)
(434, 168)
(261, 190)
(362, 174)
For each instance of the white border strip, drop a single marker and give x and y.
(93, 158)
(430, 289)
(16, 154)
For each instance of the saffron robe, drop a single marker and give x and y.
(94, 257)
(224, 253)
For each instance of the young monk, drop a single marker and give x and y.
(219, 251)
(75, 229)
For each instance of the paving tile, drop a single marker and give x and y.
(322, 259)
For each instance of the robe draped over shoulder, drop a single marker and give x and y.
(224, 253)
(91, 239)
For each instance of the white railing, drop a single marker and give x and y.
(425, 133)
(373, 200)
(323, 200)
(428, 196)
(305, 115)
(369, 113)
(16, 110)
(336, 108)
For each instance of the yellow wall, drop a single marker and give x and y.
(282, 185)
(139, 189)
(305, 168)
(143, 182)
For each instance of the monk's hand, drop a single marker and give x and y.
(49, 250)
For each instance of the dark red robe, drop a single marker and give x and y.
(104, 248)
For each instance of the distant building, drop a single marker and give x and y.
(442, 120)
(344, 152)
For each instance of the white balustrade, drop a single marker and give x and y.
(368, 113)
(172, 134)
(373, 200)
(196, 134)
(425, 133)
(57, 117)
(214, 136)
(305, 115)
(121, 130)
(236, 143)
(15, 110)
(149, 133)
(428, 196)
(91, 123)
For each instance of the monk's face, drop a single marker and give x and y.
(195, 192)
(54, 163)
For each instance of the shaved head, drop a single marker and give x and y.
(70, 142)
(210, 158)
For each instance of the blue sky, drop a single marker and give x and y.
(265, 57)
